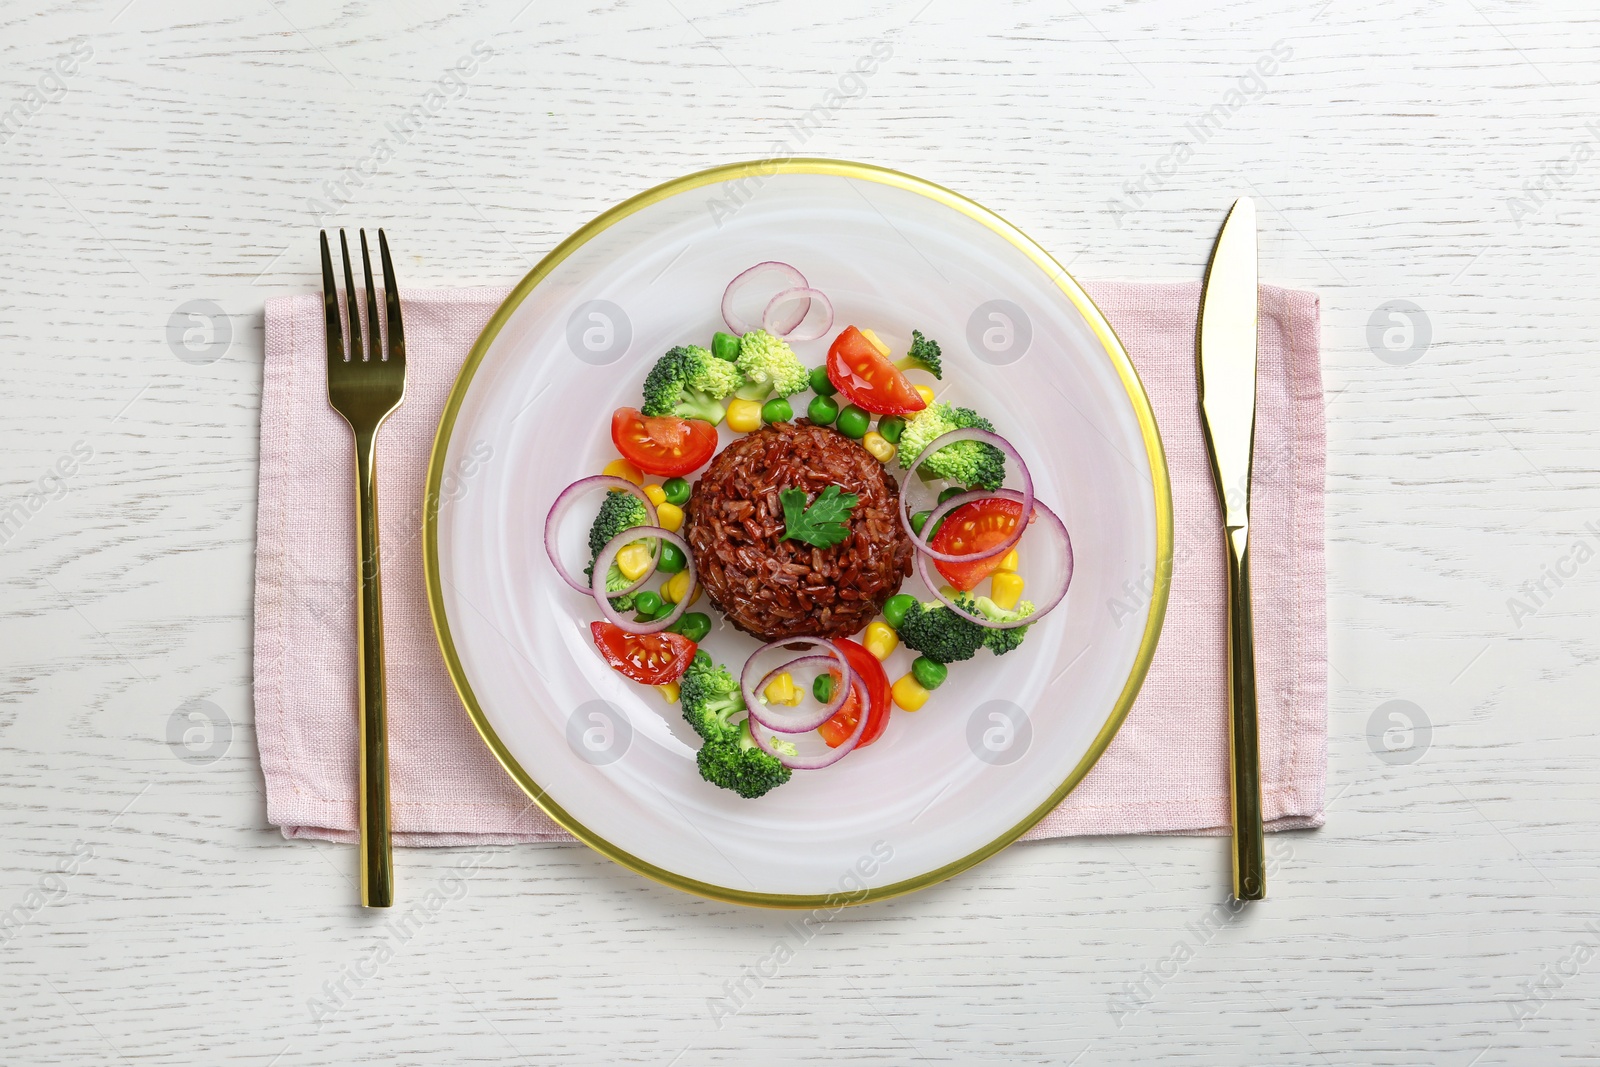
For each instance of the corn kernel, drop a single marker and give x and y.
(880, 639)
(1006, 589)
(634, 560)
(676, 586)
(925, 393)
(878, 445)
(669, 692)
(657, 495)
(744, 415)
(882, 348)
(669, 517)
(1010, 562)
(781, 690)
(909, 694)
(621, 468)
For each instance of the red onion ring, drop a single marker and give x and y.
(763, 713)
(953, 437)
(563, 503)
(805, 721)
(782, 327)
(602, 563)
(793, 280)
(1040, 610)
(821, 759)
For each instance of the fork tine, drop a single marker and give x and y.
(374, 350)
(357, 353)
(330, 305)
(391, 305)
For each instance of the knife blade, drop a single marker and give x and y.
(1225, 371)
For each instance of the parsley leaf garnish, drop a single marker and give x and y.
(823, 523)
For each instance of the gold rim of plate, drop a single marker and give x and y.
(881, 176)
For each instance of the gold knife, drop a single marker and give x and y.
(1225, 366)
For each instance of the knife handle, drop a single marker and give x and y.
(1244, 748)
(377, 860)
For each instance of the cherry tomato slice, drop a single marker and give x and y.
(662, 444)
(972, 528)
(653, 659)
(837, 730)
(868, 378)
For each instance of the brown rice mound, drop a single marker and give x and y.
(776, 588)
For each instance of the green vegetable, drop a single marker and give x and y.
(671, 560)
(688, 382)
(929, 675)
(822, 523)
(710, 698)
(972, 463)
(619, 511)
(854, 422)
(769, 367)
(895, 608)
(923, 355)
(822, 410)
(693, 624)
(920, 519)
(663, 611)
(725, 346)
(954, 490)
(647, 602)
(740, 766)
(677, 490)
(941, 634)
(1002, 641)
(890, 427)
(820, 383)
(822, 688)
(776, 410)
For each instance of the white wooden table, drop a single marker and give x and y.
(166, 160)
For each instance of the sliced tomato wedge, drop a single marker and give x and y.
(837, 730)
(653, 659)
(865, 375)
(972, 528)
(662, 444)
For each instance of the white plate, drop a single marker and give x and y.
(1003, 740)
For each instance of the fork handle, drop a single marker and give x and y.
(1244, 748)
(377, 860)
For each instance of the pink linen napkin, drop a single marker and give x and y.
(447, 789)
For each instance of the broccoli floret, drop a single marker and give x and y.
(972, 463)
(943, 635)
(709, 696)
(736, 763)
(770, 367)
(923, 355)
(619, 511)
(687, 382)
(1002, 641)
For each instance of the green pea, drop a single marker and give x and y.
(822, 410)
(820, 383)
(671, 561)
(822, 688)
(895, 608)
(953, 491)
(703, 658)
(776, 410)
(929, 675)
(693, 624)
(890, 427)
(647, 603)
(919, 520)
(663, 611)
(677, 491)
(725, 346)
(854, 422)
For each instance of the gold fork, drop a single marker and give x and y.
(365, 388)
